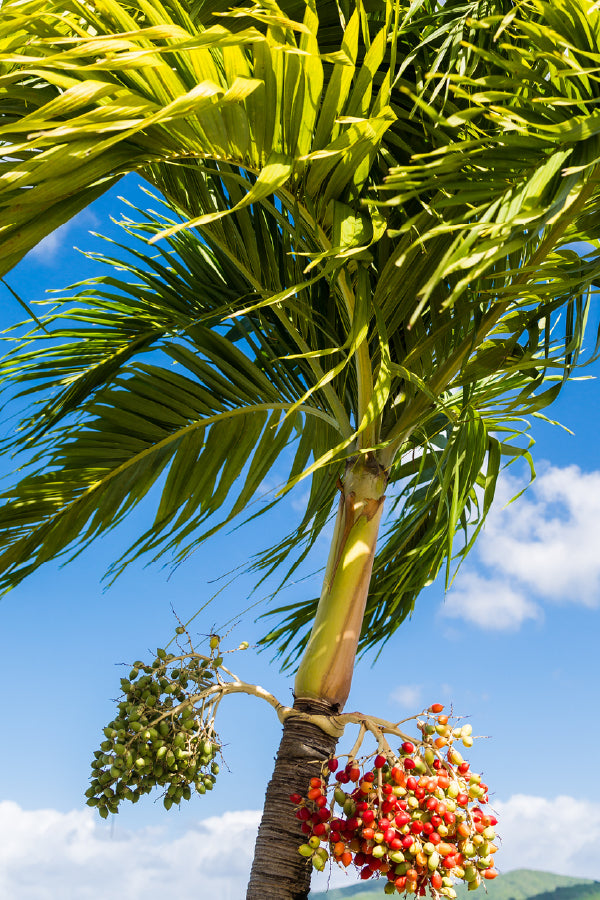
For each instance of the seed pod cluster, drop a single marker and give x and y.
(414, 817)
(158, 738)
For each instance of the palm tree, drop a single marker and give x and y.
(378, 249)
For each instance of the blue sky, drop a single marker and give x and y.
(514, 645)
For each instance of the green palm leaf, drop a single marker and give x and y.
(382, 211)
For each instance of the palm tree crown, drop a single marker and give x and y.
(371, 227)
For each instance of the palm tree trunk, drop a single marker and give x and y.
(322, 683)
(278, 870)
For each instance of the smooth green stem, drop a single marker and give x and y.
(327, 666)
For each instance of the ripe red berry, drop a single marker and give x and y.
(409, 763)
(332, 764)
(295, 799)
(407, 747)
(411, 783)
(380, 761)
(436, 707)
(342, 778)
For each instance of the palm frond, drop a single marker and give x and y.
(205, 417)
(384, 240)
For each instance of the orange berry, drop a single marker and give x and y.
(445, 849)
(490, 873)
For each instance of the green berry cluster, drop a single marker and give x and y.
(158, 737)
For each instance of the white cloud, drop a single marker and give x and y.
(45, 854)
(559, 835)
(49, 249)
(489, 603)
(548, 539)
(542, 547)
(408, 695)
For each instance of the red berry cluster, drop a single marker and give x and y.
(413, 818)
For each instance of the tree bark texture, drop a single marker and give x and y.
(278, 871)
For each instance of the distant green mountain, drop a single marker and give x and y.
(521, 884)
